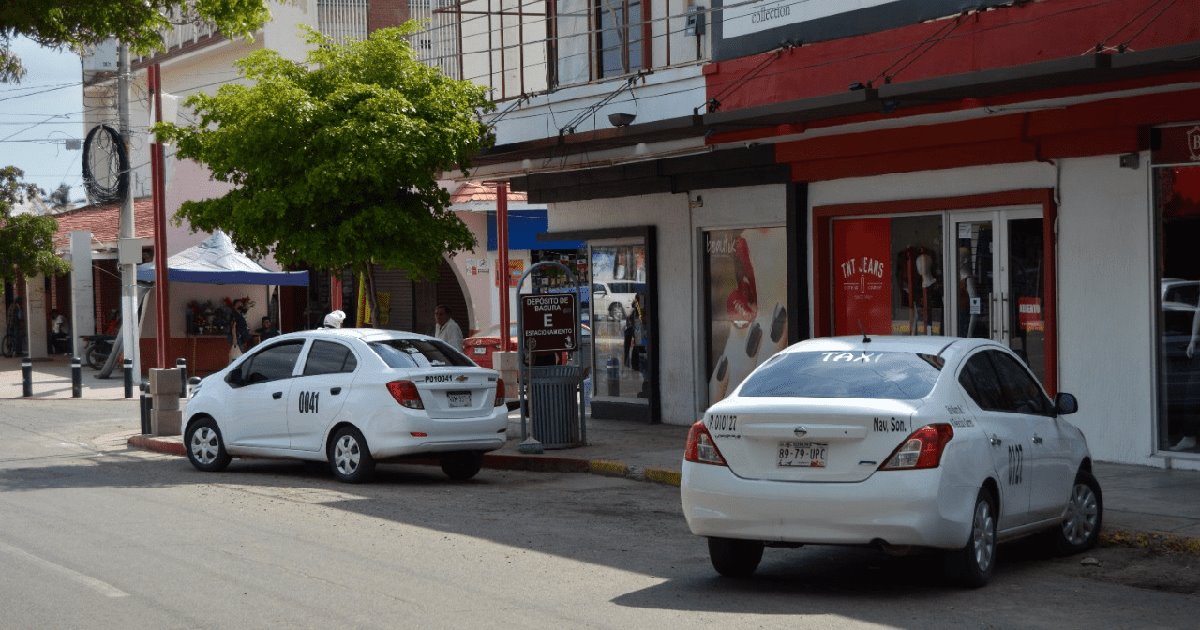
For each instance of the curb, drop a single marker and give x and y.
(536, 463)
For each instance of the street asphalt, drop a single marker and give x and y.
(1144, 506)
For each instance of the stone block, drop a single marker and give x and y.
(165, 422)
(166, 402)
(166, 381)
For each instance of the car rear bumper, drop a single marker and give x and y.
(900, 508)
(396, 439)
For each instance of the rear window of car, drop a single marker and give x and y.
(627, 287)
(897, 375)
(419, 353)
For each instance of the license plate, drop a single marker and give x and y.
(459, 399)
(806, 454)
(479, 350)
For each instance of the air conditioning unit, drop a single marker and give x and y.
(694, 24)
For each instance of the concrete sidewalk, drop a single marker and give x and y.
(1142, 505)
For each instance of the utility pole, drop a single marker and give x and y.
(129, 248)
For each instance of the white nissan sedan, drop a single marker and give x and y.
(895, 442)
(349, 397)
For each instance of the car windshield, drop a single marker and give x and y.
(896, 375)
(419, 353)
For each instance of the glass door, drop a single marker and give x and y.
(998, 268)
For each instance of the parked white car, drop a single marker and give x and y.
(896, 442)
(615, 297)
(349, 397)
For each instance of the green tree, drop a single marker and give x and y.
(78, 23)
(335, 162)
(26, 240)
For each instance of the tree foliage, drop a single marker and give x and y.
(78, 23)
(26, 240)
(335, 161)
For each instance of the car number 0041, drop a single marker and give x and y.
(459, 399)
(807, 454)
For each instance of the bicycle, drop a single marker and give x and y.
(11, 345)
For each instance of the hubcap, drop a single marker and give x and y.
(346, 455)
(1079, 522)
(983, 536)
(205, 445)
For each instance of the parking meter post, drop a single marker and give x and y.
(181, 363)
(612, 376)
(128, 369)
(76, 378)
(27, 377)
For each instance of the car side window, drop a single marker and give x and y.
(273, 364)
(328, 357)
(978, 378)
(1023, 393)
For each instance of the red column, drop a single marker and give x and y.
(158, 189)
(502, 262)
(335, 291)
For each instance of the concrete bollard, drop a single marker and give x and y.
(76, 378)
(27, 377)
(147, 406)
(128, 369)
(181, 364)
(164, 389)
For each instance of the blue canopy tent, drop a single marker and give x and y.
(216, 261)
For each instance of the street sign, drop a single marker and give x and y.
(548, 322)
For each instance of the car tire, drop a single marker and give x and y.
(462, 466)
(616, 312)
(735, 558)
(972, 565)
(350, 459)
(205, 446)
(1082, 517)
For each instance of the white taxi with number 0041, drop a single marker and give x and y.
(899, 442)
(349, 397)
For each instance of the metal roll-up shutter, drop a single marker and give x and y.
(396, 289)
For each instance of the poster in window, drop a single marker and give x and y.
(747, 303)
(862, 272)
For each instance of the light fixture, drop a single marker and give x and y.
(620, 119)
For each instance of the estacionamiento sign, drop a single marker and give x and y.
(548, 322)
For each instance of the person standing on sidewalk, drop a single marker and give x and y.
(447, 329)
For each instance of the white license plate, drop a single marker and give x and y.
(806, 454)
(459, 399)
(479, 350)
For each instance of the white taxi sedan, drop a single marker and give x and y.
(896, 442)
(349, 397)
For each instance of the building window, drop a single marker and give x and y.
(619, 36)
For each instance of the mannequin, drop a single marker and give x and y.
(968, 292)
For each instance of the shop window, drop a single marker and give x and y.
(1177, 209)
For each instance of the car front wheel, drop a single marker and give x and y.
(205, 448)
(735, 558)
(349, 458)
(1082, 517)
(462, 466)
(973, 564)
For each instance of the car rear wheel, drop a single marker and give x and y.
(349, 458)
(462, 466)
(205, 448)
(973, 564)
(734, 558)
(1082, 517)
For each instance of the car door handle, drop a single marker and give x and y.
(1037, 439)
(995, 441)
(335, 390)
(277, 395)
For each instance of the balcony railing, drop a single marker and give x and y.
(343, 21)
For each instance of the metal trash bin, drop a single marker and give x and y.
(555, 405)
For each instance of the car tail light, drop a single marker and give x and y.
(922, 449)
(701, 448)
(405, 393)
(499, 393)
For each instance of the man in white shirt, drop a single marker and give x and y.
(447, 329)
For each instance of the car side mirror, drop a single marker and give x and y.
(1065, 403)
(235, 378)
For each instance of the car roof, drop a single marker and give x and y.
(947, 347)
(364, 334)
